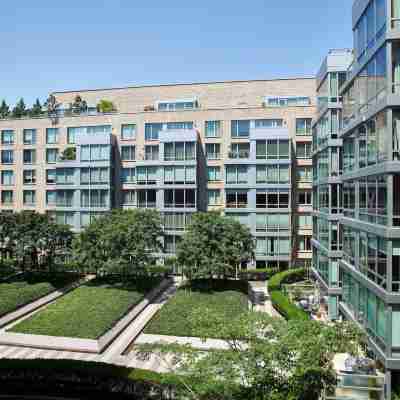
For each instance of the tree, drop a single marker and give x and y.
(36, 110)
(266, 358)
(68, 154)
(4, 109)
(105, 106)
(214, 245)
(122, 241)
(20, 109)
(79, 105)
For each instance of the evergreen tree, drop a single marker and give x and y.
(36, 110)
(20, 109)
(4, 109)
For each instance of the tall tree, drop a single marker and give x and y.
(122, 241)
(214, 245)
(36, 110)
(4, 109)
(20, 109)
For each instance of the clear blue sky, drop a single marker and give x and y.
(64, 45)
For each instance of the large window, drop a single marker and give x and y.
(7, 178)
(240, 128)
(51, 197)
(65, 218)
(65, 176)
(29, 136)
(213, 174)
(303, 126)
(179, 175)
(272, 199)
(65, 198)
(146, 175)
(213, 151)
(95, 175)
(272, 246)
(152, 130)
(268, 123)
(240, 150)
(180, 198)
(304, 174)
(7, 197)
(29, 176)
(214, 197)
(129, 197)
(176, 221)
(151, 152)
(52, 135)
(128, 153)
(29, 156)
(51, 156)
(236, 174)
(272, 149)
(7, 156)
(128, 175)
(87, 130)
(179, 151)
(213, 129)
(128, 132)
(177, 105)
(94, 198)
(303, 150)
(51, 176)
(272, 174)
(304, 198)
(236, 199)
(272, 222)
(95, 152)
(146, 198)
(7, 137)
(29, 197)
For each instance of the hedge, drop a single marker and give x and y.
(72, 377)
(261, 274)
(279, 300)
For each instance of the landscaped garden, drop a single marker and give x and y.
(228, 299)
(88, 311)
(29, 287)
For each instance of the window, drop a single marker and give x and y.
(147, 198)
(65, 218)
(213, 151)
(128, 175)
(128, 153)
(240, 128)
(94, 198)
(179, 151)
(7, 156)
(128, 132)
(95, 175)
(180, 198)
(52, 135)
(236, 199)
(177, 105)
(151, 131)
(65, 176)
(272, 199)
(65, 198)
(272, 149)
(129, 197)
(303, 126)
(176, 221)
(29, 156)
(214, 197)
(289, 101)
(51, 176)
(151, 152)
(29, 197)
(272, 174)
(95, 152)
(7, 178)
(305, 243)
(305, 221)
(29, 136)
(29, 177)
(268, 123)
(272, 222)
(179, 175)
(213, 174)
(51, 156)
(7, 137)
(240, 150)
(303, 150)
(87, 130)
(88, 217)
(236, 174)
(213, 129)
(51, 197)
(304, 198)
(304, 174)
(7, 197)
(180, 125)
(146, 175)
(272, 246)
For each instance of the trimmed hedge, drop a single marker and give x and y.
(279, 300)
(261, 274)
(72, 377)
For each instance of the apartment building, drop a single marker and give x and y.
(243, 148)
(327, 180)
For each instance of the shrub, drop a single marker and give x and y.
(105, 106)
(261, 274)
(279, 300)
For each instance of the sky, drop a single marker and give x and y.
(50, 46)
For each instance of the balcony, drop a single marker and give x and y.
(242, 154)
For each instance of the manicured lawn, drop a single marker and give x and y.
(227, 298)
(30, 287)
(88, 311)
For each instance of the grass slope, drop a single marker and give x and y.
(88, 311)
(226, 298)
(25, 289)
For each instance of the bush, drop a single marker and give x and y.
(262, 274)
(279, 300)
(158, 270)
(105, 106)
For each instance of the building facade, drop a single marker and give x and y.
(243, 148)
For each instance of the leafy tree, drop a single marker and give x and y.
(105, 106)
(36, 110)
(266, 358)
(213, 246)
(4, 109)
(69, 154)
(122, 241)
(20, 109)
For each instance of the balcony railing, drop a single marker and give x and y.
(239, 154)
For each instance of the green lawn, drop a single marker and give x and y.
(227, 298)
(25, 289)
(88, 311)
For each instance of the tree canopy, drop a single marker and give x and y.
(122, 241)
(214, 245)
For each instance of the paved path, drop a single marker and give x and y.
(114, 353)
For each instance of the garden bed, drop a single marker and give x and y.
(227, 298)
(88, 311)
(27, 288)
